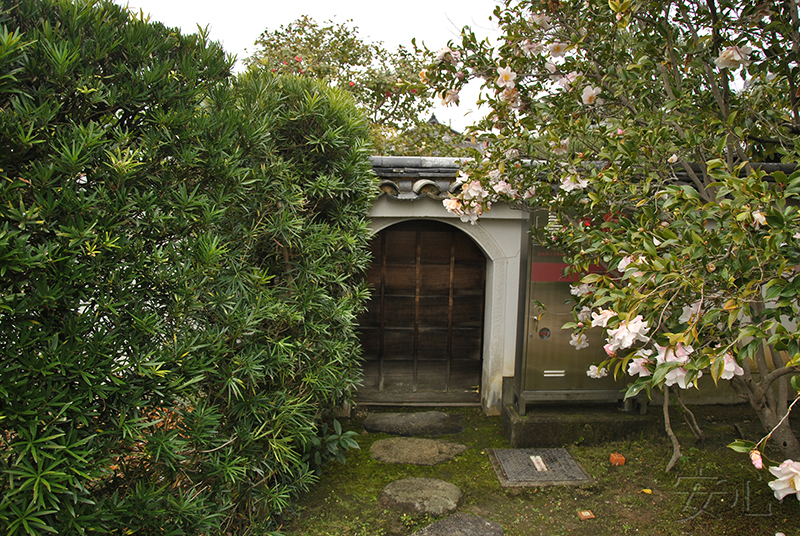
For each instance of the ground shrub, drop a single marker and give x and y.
(178, 253)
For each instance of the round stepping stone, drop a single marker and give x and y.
(420, 496)
(425, 423)
(460, 524)
(415, 450)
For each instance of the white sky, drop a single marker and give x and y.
(236, 24)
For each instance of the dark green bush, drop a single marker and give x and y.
(178, 262)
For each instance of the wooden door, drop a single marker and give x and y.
(422, 334)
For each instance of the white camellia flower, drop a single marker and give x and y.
(788, 481)
(733, 57)
(690, 313)
(590, 95)
(557, 50)
(529, 48)
(585, 314)
(573, 182)
(447, 54)
(581, 290)
(596, 373)
(542, 20)
(450, 97)
(579, 341)
(505, 77)
(560, 147)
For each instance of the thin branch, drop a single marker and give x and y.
(676, 446)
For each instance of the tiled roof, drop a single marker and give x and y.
(408, 178)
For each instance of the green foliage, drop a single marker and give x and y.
(425, 139)
(384, 84)
(330, 445)
(179, 255)
(644, 122)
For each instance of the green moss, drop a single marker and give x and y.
(344, 503)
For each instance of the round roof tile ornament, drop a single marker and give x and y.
(389, 187)
(427, 187)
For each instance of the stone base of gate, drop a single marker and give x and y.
(564, 424)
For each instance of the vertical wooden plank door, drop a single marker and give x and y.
(422, 334)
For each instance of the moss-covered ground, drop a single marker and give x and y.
(711, 491)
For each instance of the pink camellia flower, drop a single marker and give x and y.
(511, 96)
(590, 95)
(731, 367)
(677, 354)
(470, 212)
(602, 318)
(504, 188)
(733, 57)
(579, 341)
(505, 77)
(530, 193)
(474, 190)
(453, 205)
(627, 333)
(639, 365)
(755, 457)
(298, 58)
(788, 481)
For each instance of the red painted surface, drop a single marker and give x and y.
(551, 272)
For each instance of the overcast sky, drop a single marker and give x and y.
(238, 23)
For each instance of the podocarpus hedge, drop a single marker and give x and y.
(179, 260)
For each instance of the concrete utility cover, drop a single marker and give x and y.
(420, 496)
(415, 450)
(460, 524)
(536, 467)
(425, 423)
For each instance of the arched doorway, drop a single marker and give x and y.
(422, 334)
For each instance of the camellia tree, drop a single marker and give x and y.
(662, 139)
(385, 84)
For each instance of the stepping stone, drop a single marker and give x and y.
(460, 524)
(420, 496)
(415, 450)
(426, 423)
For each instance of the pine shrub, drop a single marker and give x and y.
(179, 261)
